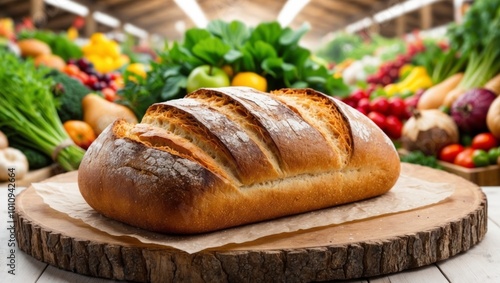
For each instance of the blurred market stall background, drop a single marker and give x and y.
(169, 19)
(425, 71)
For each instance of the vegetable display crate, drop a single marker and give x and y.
(482, 176)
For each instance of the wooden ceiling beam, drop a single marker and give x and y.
(110, 3)
(146, 13)
(426, 17)
(37, 12)
(59, 22)
(137, 8)
(346, 8)
(17, 9)
(5, 2)
(148, 21)
(160, 16)
(316, 17)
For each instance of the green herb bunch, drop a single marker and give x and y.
(28, 112)
(478, 38)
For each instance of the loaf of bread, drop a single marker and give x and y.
(224, 157)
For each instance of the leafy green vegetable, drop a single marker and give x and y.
(69, 93)
(418, 157)
(164, 82)
(28, 112)
(478, 37)
(268, 49)
(235, 33)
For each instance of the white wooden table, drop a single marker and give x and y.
(479, 264)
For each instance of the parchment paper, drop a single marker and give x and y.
(407, 194)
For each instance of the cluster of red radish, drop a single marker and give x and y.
(387, 113)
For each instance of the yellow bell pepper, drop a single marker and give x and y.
(138, 69)
(104, 53)
(405, 69)
(72, 33)
(418, 78)
(391, 89)
(420, 83)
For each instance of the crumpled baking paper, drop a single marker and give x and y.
(407, 194)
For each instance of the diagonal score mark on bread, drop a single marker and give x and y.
(332, 124)
(217, 135)
(253, 136)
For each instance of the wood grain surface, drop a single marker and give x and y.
(371, 247)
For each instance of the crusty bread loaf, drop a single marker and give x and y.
(223, 157)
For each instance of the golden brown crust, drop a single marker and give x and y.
(181, 171)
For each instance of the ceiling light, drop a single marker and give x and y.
(290, 10)
(401, 9)
(389, 14)
(69, 6)
(180, 27)
(130, 28)
(193, 11)
(106, 19)
(359, 25)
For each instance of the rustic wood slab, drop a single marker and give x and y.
(371, 247)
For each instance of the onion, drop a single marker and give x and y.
(492, 118)
(429, 131)
(469, 110)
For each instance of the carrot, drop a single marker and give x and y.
(434, 97)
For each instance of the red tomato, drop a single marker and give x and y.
(394, 127)
(464, 158)
(113, 85)
(378, 119)
(484, 141)
(450, 152)
(113, 76)
(109, 94)
(83, 77)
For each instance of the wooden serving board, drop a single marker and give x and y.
(357, 249)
